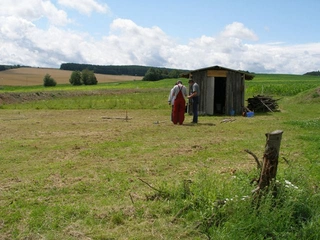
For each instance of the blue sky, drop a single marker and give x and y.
(273, 21)
(258, 36)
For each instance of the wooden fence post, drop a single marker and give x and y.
(270, 159)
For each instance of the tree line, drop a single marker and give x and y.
(149, 73)
(155, 74)
(314, 73)
(7, 67)
(131, 70)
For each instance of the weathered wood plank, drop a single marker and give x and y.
(270, 158)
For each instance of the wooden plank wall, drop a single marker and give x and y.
(235, 93)
(209, 96)
(200, 78)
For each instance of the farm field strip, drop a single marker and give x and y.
(34, 76)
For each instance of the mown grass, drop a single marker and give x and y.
(77, 168)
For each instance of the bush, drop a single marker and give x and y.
(88, 77)
(85, 77)
(154, 74)
(75, 78)
(48, 81)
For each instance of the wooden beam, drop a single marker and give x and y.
(269, 167)
(217, 73)
(270, 158)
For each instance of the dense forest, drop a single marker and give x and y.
(132, 70)
(149, 73)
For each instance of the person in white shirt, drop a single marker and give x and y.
(179, 93)
(171, 100)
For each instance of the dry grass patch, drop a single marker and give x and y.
(52, 160)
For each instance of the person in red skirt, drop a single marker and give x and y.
(179, 93)
(171, 101)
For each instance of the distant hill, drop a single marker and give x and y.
(314, 73)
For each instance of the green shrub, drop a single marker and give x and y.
(75, 78)
(88, 77)
(48, 81)
(85, 77)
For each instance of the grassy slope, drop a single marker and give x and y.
(74, 173)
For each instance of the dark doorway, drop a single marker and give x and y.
(219, 95)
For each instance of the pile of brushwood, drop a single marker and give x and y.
(261, 103)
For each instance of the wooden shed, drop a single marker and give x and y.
(222, 90)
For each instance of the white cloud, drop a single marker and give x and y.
(54, 15)
(85, 6)
(22, 42)
(31, 10)
(13, 28)
(239, 31)
(28, 10)
(132, 44)
(283, 58)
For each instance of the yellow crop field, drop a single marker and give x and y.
(34, 76)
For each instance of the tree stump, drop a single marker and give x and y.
(270, 159)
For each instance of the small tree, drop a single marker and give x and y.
(75, 78)
(174, 74)
(48, 81)
(153, 74)
(88, 77)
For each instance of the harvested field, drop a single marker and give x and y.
(34, 76)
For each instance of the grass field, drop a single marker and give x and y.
(113, 166)
(34, 76)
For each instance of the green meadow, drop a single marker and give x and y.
(105, 162)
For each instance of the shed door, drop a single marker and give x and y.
(209, 96)
(220, 95)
